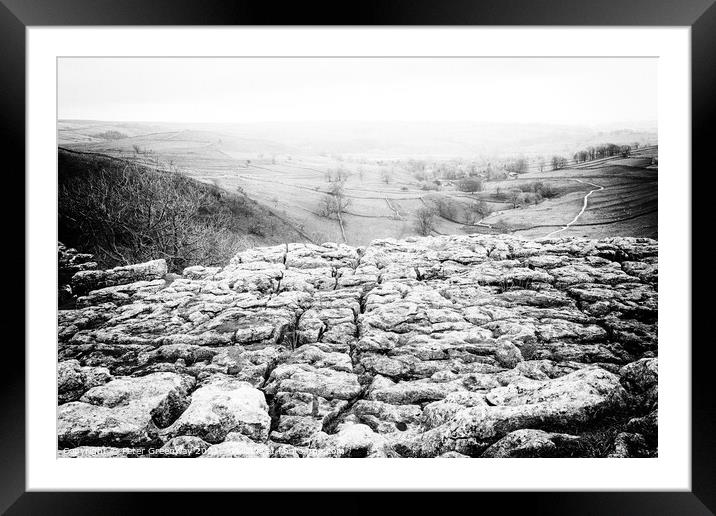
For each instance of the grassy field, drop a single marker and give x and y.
(626, 206)
(384, 196)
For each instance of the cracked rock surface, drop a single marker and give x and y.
(451, 346)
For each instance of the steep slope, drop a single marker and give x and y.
(124, 212)
(478, 346)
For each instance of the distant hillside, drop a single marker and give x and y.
(124, 213)
(366, 139)
(165, 139)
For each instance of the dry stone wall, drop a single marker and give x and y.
(451, 346)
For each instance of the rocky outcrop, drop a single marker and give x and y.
(531, 443)
(88, 280)
(222, 405)
(455, 346)
(124, 412)
(70, 262)
(74, 380)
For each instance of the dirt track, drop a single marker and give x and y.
(584, 207)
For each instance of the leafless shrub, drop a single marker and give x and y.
(444, 206)
(476, 211)
(424, 220)
(125, 213)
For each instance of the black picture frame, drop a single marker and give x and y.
(700, 15)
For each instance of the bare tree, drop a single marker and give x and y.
(128, 214)
(342, 174)
(335, 202)
(518, 166)
(516, 197)
(558, 162)
(386, 175)
(424, 221)
(476, 211)
(444, 206)
(580, 156)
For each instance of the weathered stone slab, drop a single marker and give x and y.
(445, 346)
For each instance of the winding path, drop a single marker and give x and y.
(584, 207)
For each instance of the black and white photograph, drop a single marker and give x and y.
(262, 242)
(357, 257)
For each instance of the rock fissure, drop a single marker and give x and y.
(438, 346)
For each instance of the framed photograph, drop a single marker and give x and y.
(262, 245)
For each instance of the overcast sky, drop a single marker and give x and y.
(582, 91)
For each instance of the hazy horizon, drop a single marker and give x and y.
(584, 92)
(623, 124)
